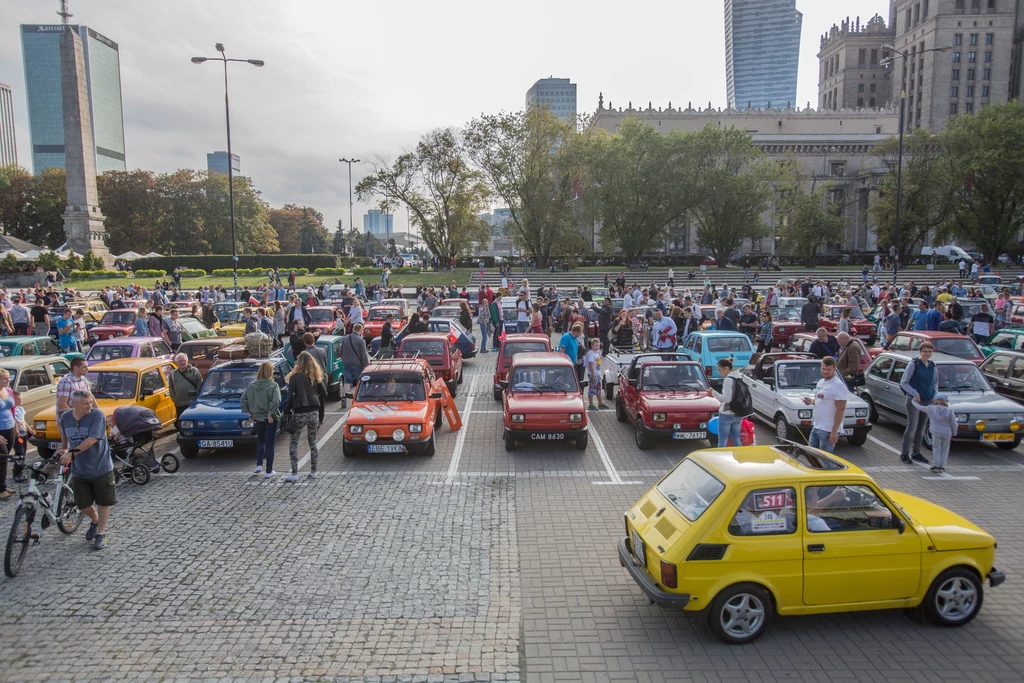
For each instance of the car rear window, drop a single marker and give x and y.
(523, 347)
(691, 489)
(726, 344)
(321, 315)
(961, 348)
(118, 318)
(103, 353)
(424, 348)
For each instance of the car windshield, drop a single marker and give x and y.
(321, 315)
(785, 315)
(118, 318)
(227, 382)
(674, 377)
(441, 312)
(543, 379)
(7, 349)
(961, 348)
(102, 352)
(511, 349)
(191, 325)
(382, 314)
(691, 489)
(424, 347)
(389, 388)
(797, 375)
(116, 385)
(836, 312)
(510, 314)
(1003, 340)
(236, 316)
(725, 344)
(962, 377)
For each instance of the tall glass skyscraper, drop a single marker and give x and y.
(40, 47)
(8, 144)
(379, 224)
(762, 51)
(558, 94)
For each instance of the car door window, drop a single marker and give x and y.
(845, 508)
(160, 348)
(28, 349)
(47, 347)
(58, 370)
(898, 368)
(1003, 341)
(901, 343)
(279, 376)
(32, 378)
(698, 345)
(881, 368)
(151, 380)
(1018, 343)
(765, 512)
(1018, 369)
(998, 365)
(145, 351)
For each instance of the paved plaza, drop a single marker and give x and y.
(473, 565)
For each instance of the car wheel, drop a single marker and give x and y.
(858, 438)
(783, 432)
(1008, 445)
(740, 613)
(334, 394)
(348, 452)
(452, 388)
(872, 413)
(460, 376)
(954, 598)
(871, 341)
(643, 441)
(609, 391)
(582, 441)
(510, 443)
(189, 451)
(431, 447)
(437, 418)
(926, 441)
(620, 410)
(497, 394)
(44, 453)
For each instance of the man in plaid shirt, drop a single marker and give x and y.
(71, 382)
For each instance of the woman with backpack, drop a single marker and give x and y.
(736, 405)
(306, 397)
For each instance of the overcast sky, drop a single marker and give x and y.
(365, 80)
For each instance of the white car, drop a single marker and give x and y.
(778, 384)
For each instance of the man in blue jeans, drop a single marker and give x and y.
(829, 401)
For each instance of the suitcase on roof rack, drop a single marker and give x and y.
(232, 352)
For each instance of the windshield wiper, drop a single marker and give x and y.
(652, 385)
(103, 394)
(540, 387)
(964, 387)
(221, 394)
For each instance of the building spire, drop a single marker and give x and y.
(64, 14)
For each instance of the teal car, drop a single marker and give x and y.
(11, 347)
(335, 370)
(192, 328)
(707, 347)
(1010, 338)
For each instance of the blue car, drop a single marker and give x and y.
(707, 347)
(215, 419)
(463, 338)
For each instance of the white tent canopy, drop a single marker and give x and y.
(152, 254)
(17, 254)
(129, 256)
(32, 255)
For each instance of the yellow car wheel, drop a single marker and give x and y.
(954, 598)
(740, 613)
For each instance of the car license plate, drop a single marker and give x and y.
(216, 443)
(554, 436)
(997, 437)
(690, 435)
(639, 549)
(56, 445)
(385, 448)
(848, 431)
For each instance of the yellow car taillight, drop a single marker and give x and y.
(668, 575)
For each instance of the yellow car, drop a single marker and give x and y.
(116, 383)
(234, 324)
(746, 533)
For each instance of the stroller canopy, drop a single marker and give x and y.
(132, 420)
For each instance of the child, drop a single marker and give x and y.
(942, 424)
(593, 364)
(22, 431)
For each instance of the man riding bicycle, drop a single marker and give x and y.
(84, 430)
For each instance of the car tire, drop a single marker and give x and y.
(872, 412)
(954, 598)
(582, 441)
(643, 441)
(871, 341)
(430, 448)
(497, 394)
(510, 443)
(44, 453)
(620, 410)
(460, 377)
(189, 452)
(858, 438)
(438, 417)
(1008, 445)
(348, 452)
(334, 394)
(783, 432)
(740, 613)
(926, 440)
(609, 391)
(452, 388)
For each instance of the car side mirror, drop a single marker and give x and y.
(145, 392)
(503, 384)
(770, 381)
(436, 394)
(899, 523)
(633, 381)
(584, 384)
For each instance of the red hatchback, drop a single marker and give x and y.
(950, 343)
(440, 352)
(785, 323)
(544, 401)
(513, 344)
(322, 318)
(120, 323)
(860, 326)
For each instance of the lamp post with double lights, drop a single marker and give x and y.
(231, 160)
(899, 153)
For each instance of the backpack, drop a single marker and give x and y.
(741, 404)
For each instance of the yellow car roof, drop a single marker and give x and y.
(756, 463)
(130, 364)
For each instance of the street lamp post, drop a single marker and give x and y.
(351, 225)
(231, 161)
(899, 153)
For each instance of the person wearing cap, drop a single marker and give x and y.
(942, 425)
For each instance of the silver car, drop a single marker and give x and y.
(982, 414)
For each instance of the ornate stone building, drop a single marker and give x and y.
(850, 70)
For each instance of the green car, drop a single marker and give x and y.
(335, 370)
(1009, 338)
(32, 346)
(192, 328)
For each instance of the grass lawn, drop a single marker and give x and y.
(461, 277)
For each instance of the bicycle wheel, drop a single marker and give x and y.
(18, 540)
(69, 517)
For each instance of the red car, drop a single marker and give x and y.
(785, 323)
(543, 401)
(322, 318)
(665, 400)
(375, 318)
(949, 343)
(510, 346)
(440, 352)
(860, 326)
(1017, 314)
(801, 343)
(119, 323)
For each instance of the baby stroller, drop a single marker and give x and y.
(131, 445)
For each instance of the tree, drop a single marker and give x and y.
(985, 158)
(287, 222)
(531, 163)
(9, 263)
(133, 207)
(441, 189)
(50, 198)
(731, 185)
(16, 195)
(313, 237)
(253, 232)
(638, 185)
(806, 220)
(338, 241)
(91, 262)
(928, 196)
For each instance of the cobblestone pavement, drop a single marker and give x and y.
(475, 564)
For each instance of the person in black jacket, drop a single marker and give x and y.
(387, 337)
(825, 345)
(809, 315)
(604, 323)
(415, 325)
(306, 398)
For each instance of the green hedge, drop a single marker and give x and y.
(378, 271)
(329, 271)
(192, 272)
(227, 272)
(211, 262)
(150, 273)
(97, 274)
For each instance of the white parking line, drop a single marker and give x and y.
(609, 466)
(323, 440)
(942, 475)
(461, 441)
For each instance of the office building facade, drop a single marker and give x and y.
(8, 142)
(557, 94)
(217, 162)
(762, 52)
(40, 46)
(379, 224)
(851, 69)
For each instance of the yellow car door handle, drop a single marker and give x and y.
(816, 548)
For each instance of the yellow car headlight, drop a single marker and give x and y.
(980, 425)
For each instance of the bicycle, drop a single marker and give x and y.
(59, 509)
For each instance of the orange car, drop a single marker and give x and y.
(513, 344)
(375, 318)
(396, 409)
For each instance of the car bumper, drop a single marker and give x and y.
(237, 441)
(996, 577)
(44, 443)
(668, 434)
(544, 434)
(647, 583)
(392, 447)
(974, 435)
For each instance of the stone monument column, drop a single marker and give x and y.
(83, 222)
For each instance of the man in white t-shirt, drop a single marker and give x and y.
(830, 397)
(523, 317)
